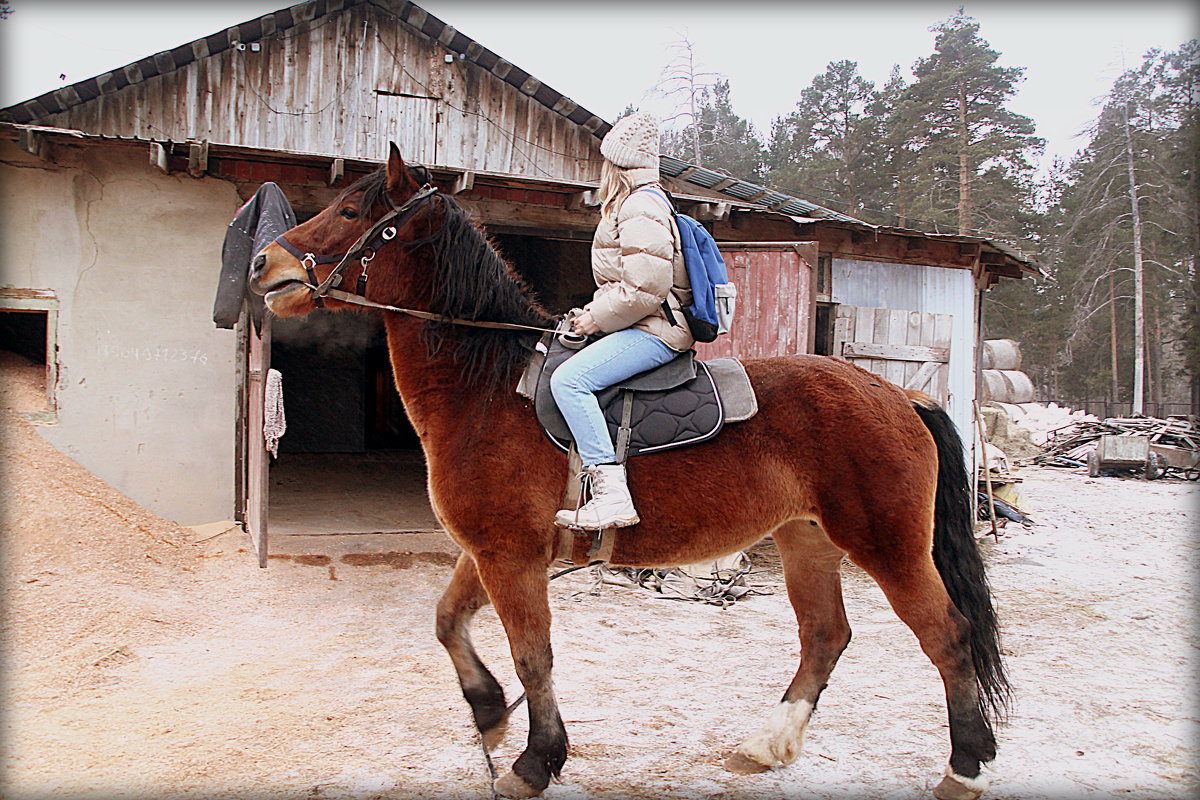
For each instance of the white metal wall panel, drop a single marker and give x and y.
(912, 287)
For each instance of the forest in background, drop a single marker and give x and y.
(936, 149)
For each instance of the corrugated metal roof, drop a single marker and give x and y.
(1026, 262)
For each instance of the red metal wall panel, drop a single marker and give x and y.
(776, 284)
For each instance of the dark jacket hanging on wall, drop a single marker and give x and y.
(257, 223)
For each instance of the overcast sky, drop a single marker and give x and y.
(607, 55)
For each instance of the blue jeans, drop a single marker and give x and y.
(609, 360)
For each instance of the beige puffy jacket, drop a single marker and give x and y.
(636, 260)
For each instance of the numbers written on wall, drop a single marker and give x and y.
(149, 354)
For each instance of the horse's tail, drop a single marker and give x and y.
(958, 559)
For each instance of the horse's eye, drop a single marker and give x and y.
(349, 213)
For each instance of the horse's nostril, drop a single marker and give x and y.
(260, 261)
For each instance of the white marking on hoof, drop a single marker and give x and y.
(782, 738)
(514, 786)
(959, 787)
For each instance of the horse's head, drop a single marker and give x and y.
(346, 236)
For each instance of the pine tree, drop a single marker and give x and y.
(959, 127)
(1087, 344)
(828, 148)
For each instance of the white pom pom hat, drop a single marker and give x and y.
(633, 141)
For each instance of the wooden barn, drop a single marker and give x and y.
(117, 192)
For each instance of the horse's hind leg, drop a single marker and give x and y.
(811, 568)
(463, 597)
(918, 596)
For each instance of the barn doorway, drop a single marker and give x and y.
(28, 344)
(350, 462)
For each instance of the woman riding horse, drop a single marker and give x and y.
(638, 266)
(838, 463)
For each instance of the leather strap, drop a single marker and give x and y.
(566, 536)
(346, 297)
(625, 431)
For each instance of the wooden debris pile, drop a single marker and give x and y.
(1174, 442)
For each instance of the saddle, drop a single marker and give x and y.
(680, 403)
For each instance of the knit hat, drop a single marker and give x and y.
(633, 141)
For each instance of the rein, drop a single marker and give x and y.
(346, 297)
(368, 244)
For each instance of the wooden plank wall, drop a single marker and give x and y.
(910, 348)
(345, 84)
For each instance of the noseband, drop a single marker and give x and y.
(366, 247)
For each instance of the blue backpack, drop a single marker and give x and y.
(713, 296)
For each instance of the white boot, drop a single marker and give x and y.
(611, 505)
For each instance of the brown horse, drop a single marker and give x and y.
(837, 463)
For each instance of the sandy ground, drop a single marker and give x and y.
(143, 662)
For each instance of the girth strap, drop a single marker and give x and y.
(625, 431)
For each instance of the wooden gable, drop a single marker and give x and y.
(344, 83)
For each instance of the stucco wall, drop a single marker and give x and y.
(146, 390)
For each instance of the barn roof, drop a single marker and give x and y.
(37, 109)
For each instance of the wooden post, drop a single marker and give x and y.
(987, 477)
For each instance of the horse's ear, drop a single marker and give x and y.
(397, 173)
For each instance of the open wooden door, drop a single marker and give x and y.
(909, 348)
(776, 304)
(255, 460)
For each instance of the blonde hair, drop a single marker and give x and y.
(615, 185)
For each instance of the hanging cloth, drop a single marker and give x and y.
(274, 421)
(256, 224)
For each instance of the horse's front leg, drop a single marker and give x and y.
(519, 591)
(463, 597)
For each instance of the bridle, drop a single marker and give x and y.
(367, 247)
(379, 234)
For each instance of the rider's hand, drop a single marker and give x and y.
(585, 323)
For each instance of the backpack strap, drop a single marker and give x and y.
(666, 197)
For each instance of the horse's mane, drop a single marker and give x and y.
(471, 280)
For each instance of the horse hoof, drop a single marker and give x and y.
(959, 787)
(514, 786)
(494, 735)
(741, 764)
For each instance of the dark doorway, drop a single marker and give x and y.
(24, 333)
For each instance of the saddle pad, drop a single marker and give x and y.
(686, 410)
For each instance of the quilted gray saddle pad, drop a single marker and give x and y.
(674, 405)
